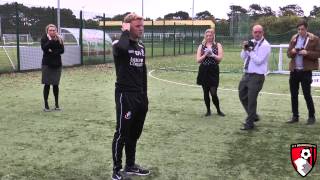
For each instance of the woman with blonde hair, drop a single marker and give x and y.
(209, 55)
(52, 47)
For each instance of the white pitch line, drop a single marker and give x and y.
(223, 89)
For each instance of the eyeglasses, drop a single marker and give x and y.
(256, 32)
(301, 29)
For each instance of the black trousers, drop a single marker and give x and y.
(131, 111)
(305, 78)
(249, 88)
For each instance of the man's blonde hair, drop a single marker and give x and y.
(131, 17)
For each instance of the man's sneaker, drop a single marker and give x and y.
(136, 170)
(116, 175)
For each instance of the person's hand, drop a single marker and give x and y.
(294, 51)
(245, 45)
(303, 52)
(49, 37)
(125, 27)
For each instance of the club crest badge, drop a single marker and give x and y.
(303, 157)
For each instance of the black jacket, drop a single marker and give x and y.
(53, 58)
(129, 59)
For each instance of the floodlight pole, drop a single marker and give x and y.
(58, 16)
(192, 10)
(142, 8)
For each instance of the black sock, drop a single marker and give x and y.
(46, 90)
(56, 95)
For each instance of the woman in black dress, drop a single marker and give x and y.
(52, 47)
(209, 55)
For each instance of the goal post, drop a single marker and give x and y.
(279, 59)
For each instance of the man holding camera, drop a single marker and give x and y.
(255, 55)
(304, 51)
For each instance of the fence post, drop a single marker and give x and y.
(104, 38)
(18, 39)
(192, 38)
(152, 38)
(184, 39)
(80, 39)
(163, 39)
(174, 40)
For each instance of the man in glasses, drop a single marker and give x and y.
(304, 51)
(255, 55)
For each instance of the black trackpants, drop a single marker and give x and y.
(131, 109)
(305, 78)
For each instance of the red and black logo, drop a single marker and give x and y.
(303, 157)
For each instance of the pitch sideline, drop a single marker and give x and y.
(223, 89)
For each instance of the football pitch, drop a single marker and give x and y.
(177, 143)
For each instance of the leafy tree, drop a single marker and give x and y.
(236, 9)
(177, 15)
(315, 12)
(204, 15)
(291, 10)
(120, 17)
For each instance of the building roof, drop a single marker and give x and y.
(166, 23)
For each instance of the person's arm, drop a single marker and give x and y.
(244, 53)
(258, 57)
(45, 44)
(123, 43)
(314, 53)
(200, 57)
(145, 80)
(219, 57)
(59, 50)
(291, 51)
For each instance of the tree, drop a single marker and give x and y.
(120, 17)
(181, 15)
(204, 15)
(236, 9)
(291, 10)
(315, 12)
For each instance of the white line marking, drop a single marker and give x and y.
(223, 89)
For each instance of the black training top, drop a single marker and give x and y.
(129, 60)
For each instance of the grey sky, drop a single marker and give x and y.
(158, 8)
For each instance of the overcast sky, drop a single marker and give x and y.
(159, 8)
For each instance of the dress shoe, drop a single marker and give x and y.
(311, 120)
(247, 127)
(257, 118)
(221, 114)
(294, 119)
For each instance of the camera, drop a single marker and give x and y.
(249, 45)
(299, 49)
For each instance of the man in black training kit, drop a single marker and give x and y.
(130, 95)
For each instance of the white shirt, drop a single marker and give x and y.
(259, 57)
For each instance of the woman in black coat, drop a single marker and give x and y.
(52, 47)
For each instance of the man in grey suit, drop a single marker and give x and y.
(255, 55)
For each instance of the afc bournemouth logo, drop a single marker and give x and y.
(303, 157)
(128, 115)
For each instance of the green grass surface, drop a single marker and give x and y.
(178, 142)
